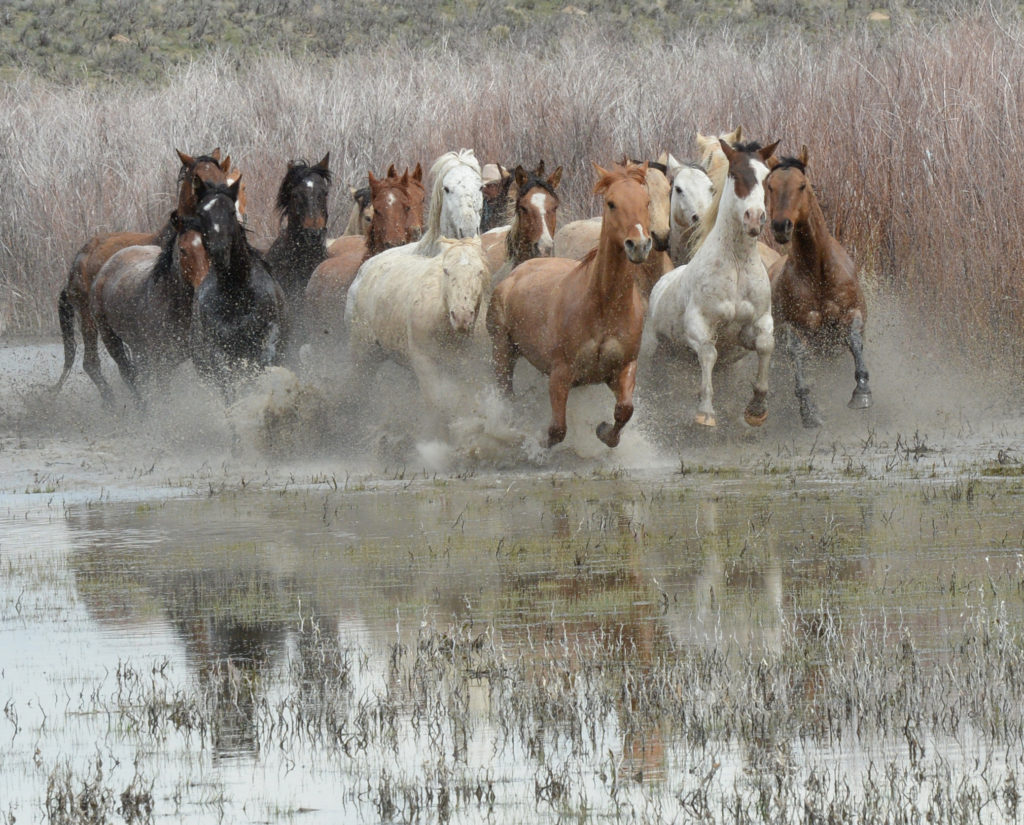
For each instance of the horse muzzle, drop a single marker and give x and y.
(660, 242)
(754, 221)
(462, 320)
(637, 251)
(782, 230)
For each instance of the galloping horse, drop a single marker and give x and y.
(816, 294)
(531, 233)
(362, 212)
(426, 313)
(580, 322)
(238, 314)
(300, 246)
(91, 257)
(692, 193)
(719, 304)
(141, 304)
(456, 200)
(397, 204)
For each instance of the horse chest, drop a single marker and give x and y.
(599, 358)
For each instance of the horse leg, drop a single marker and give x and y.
(504, 356)
(625, 383)
(559, 383)
(861, 398)
(797, 351)
(91, 358)
(707, 355)
(115, 346)
(764, 343)
(66, 316)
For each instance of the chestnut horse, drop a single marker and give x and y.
(239, 324)
(300, 246)
(531, 234)
(362, 212)
(816, 294)
(74, 298)
(397, 204)
(141, 304)
(580, 322)
(719, 304)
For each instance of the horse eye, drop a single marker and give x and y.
(447, 191)
(611, 204)
(803, 186)
(679, 190)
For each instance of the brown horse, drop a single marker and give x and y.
(141, 304)
(531, 233)
(816, 293)
(397, 204)
(580, 322)
(362, 211)
(497, 182)
(74, 298)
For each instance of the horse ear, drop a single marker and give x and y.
(803, 155)
(601, 175)
(235, 188)
(735, 135)
(521, 176)
(186, 160)
(417, 172)
(663, 159)
(374, 182)
(726, 147)
(540, 169)
(404, 180)
(503, 172)
(215, 154)
(767, 151)
(392, 171)
(555, 177)
(225, 165)
(325, 162)
(672, 165)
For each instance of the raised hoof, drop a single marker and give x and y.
(755, 419)
(705, 420)
(606, 432)
(860, 400)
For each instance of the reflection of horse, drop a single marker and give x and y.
(397, 204)
(531, 232)
(98, 250)
(238, 315)
(719, 304)
(300, 246)
(580, 322)
(141, 304)
(424, 313)
(816, 295)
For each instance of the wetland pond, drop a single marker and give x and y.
(602, 646)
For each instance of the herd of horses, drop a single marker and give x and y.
(459, 282)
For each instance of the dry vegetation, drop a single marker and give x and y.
(913, 129)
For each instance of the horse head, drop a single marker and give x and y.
(691, 195)
(194, 262)
(710, 153)
(497, 181)
(659, 187)
(208, 168)
(788, 194)
(417, 199)
(218, 219)
(302, 196)
(626, 220)
(460, 196)
(536, 209)
(389, 198)
(466, 281)
(747, 171)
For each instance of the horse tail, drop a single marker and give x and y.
(66, 316)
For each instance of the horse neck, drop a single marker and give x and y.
(811, 238)
(728, 235)
(238, 266)
(614, 274)
(518, 247)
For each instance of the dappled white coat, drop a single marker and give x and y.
(719, 304)
(424, 313)
(691, 196)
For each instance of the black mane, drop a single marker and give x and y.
(362, 197)
(748, 148)
(297, 172)
(653, 164)
(791, 163)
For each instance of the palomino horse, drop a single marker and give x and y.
(816, 295)
(300, 246)
(497, 181)
(426, 313)
(719, 304)
(362, 212)
(141, 304)
(691, 195)
(531, 234)
(580, 322)
(238, 314)
(710, 154)
(397, 204)
(575, 239)
(91, 257)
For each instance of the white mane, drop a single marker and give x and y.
(428, 244)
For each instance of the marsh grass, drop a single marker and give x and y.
(912, 129)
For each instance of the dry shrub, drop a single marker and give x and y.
(913, 131)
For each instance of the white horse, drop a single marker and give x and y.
(719, 304)
(691, 195)
(426, 313)
(456, 200)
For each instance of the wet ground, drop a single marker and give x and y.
(262, 614)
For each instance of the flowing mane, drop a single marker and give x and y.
(428, 244)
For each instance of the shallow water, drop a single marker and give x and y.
(361, 654)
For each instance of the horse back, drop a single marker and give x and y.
(117, 294)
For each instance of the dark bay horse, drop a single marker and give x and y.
(580, 322)
(397, 203)
(74, 297)
(816, 294)
(534, 217)
(141, 304)
(497, 182)
(239, 321)
(302, 243)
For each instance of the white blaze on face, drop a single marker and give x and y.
(391, 199)
(309, 183)
(640, 229)
(539, 202)
(196, 242)
(208, 206)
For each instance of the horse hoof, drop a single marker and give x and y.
(811, 420)
(860, 400)
(755, 419)
(705, 420)
(605, 432)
